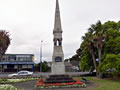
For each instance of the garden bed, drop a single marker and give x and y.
(7, 87)
(77, 84)
(9, 81)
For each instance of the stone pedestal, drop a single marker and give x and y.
(58, 68)
(59, 79)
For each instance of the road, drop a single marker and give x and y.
(37, 74)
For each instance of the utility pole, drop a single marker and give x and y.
(41, 56)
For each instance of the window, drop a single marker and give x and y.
(29, 66)
(12, 58)
(24, 58)
(57, 42)
(24, 66)
(3, 58)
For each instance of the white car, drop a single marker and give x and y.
(21, 73)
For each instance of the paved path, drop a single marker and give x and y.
(29, 85)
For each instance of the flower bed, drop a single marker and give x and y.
(7, 87)
(77, 84)
(7, 81)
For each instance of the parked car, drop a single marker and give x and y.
(21, 74)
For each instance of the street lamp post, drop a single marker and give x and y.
(41, 57)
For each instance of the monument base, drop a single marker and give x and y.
(59, 79)
(58, 68)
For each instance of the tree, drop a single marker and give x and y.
(97, 43)
(93, 40)
(45, 66)
(4, 42)
(89, 44)
(112, 44)
(99, 37)
(111, 64)
(86, 63)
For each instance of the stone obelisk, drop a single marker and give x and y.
(58, 66)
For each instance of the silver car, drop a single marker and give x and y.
(21, 74)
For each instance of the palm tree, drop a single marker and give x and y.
(88, 42)
(4, 42)
(98, 38)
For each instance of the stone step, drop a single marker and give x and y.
(60, 78)
(59, 81)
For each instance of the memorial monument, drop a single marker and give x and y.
(58, 66)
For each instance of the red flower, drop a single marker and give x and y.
(70, 83)
(78, 82)
(58, 84)
(49, 84)
(39, 83)
(40, 80)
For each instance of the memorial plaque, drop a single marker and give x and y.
(58, 59)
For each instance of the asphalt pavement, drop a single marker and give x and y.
(38, 74)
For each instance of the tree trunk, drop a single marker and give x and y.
(95, 65)
(99, 55)
(99, 58)
(94, 61)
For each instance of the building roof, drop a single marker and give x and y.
(16, 63)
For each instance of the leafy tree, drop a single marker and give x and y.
(86, 63)
(100, 41)
(94, 40)
(45, 66)
(110, 25)
(101, 37)
(89, 45)
(111, 64)
(74, 58)
(4, 42)
(113, 45)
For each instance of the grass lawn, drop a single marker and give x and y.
(105, 84)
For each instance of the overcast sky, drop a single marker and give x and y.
(30, 21)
